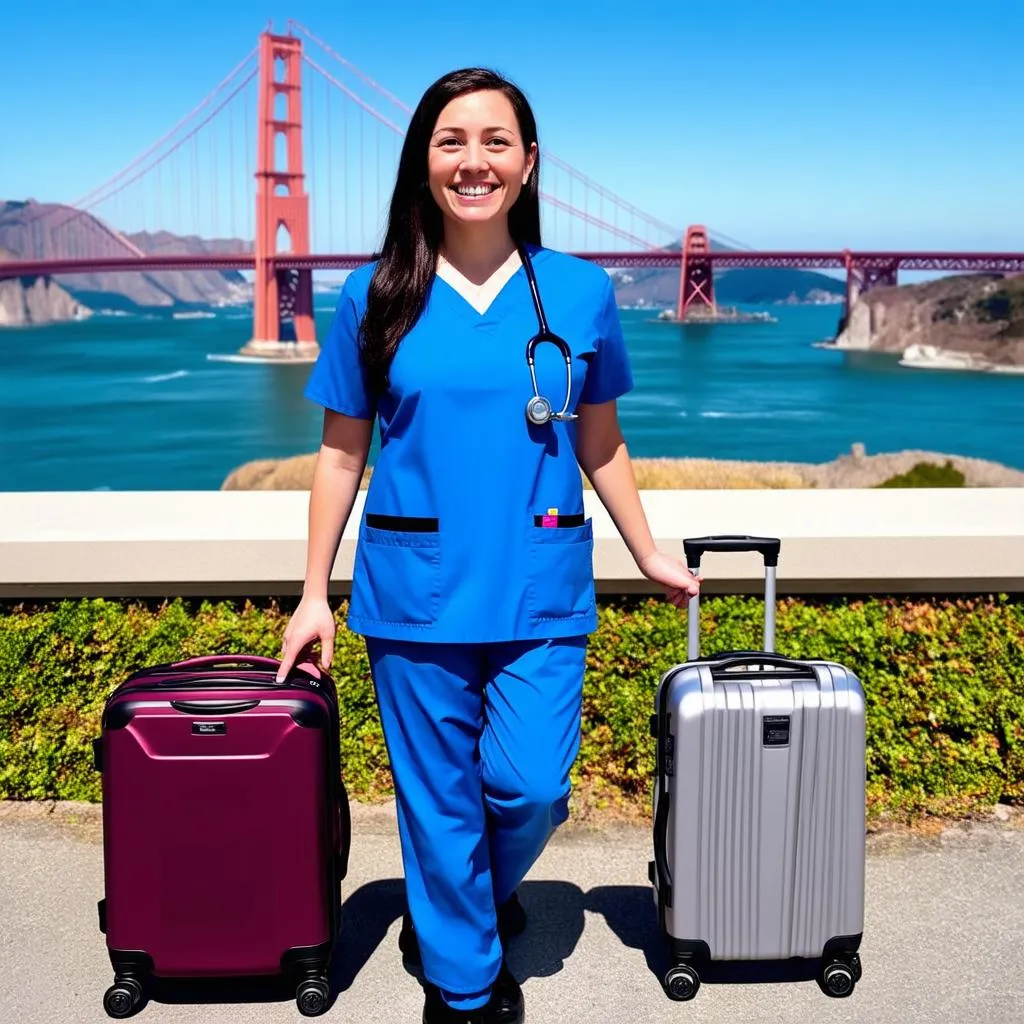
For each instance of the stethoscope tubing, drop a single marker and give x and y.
(545, 334)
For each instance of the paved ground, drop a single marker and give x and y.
(943, 937)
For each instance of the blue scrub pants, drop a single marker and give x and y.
(481, 738)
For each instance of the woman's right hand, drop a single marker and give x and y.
(312, 620)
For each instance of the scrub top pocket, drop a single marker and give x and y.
(397, 577)
(560, 577)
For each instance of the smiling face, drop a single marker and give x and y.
(477, 162)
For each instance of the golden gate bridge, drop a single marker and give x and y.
(180, 179)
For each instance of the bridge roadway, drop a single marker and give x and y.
(944, 928)
(950, 262)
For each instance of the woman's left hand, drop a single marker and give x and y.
(672, 573)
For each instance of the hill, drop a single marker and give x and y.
(763, 285)
(32, 230)
(732, 287)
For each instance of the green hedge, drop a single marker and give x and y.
(944, 682)
(927, 474)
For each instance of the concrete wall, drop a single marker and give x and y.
(254, 542)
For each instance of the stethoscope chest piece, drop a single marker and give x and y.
(538, 410)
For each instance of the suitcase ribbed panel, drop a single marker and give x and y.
(766, 844)
(730, 777)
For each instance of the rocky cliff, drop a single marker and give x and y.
(35, 301)
(35, 231)
(970, 322)
(41, 301)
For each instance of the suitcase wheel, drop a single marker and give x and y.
(854, 962)
(311, 996)
(838, 978)
(122, 999)
(681, 982)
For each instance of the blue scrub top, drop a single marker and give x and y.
(456, 447)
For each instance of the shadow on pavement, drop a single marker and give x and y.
(554, 911)
(631, 914)
(366, 916)
(556, 917)
(555, 914)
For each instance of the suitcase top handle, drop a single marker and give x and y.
(696, 546)
(251, 662)
(241, 660)
(254, 661)
(723, 667)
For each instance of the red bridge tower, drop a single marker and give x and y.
(863, 279)
(696, 282)
(281, 298)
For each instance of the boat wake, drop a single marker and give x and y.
(218, 357)
(768, 414)
(158, 378)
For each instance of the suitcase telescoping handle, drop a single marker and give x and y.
(768, 547)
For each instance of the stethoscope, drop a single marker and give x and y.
(538, 408)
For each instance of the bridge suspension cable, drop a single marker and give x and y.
(235, 71)
(64, 216)
(191, 136)
(352, 96)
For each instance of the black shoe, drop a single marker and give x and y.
(506, 999)
(504, 1007)
(511, 922)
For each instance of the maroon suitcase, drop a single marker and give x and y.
(225, 826)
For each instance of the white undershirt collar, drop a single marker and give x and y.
(479, 296)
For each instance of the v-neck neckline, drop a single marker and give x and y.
(469, 310)
(470, 291)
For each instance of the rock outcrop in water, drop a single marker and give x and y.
(971, 322)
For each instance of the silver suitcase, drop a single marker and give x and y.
(759, 830)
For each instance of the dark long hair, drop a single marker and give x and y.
(408, 258)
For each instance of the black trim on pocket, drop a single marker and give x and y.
(404, 524)
(569, 520)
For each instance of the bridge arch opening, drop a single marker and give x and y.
(280, 152)
(281, 189)
(280, 69)
(283, 238)
(280, 106)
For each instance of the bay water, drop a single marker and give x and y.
(133, 403)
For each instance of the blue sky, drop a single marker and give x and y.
(782, 124)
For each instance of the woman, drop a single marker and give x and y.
(473, 577)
